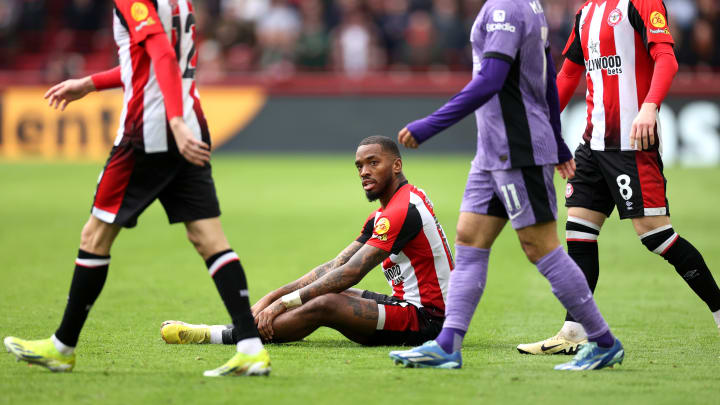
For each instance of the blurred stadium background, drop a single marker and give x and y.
(315, 75)
(281, 82)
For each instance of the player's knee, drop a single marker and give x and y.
(536, 248)
(468, 236)
(532, 251)
(86, 238)
(203, 244)
(659, 239)
(195, 239)
(207, 243)
(95, 238)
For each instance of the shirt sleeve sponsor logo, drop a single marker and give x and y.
(139, 11)
(614, 17)
(660, 31)
(657, 20)
(499, 16)
(382, 226)
(145, 23)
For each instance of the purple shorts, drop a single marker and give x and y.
(525, 196)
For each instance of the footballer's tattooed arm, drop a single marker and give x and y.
(308, 278)
(347, 275)
(334, 281)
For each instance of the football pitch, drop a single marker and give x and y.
(286, 214)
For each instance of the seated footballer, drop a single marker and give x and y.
(403, 234)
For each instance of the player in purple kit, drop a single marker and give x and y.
(514, 96)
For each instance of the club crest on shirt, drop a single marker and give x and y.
(382, 226)
(657, 20)
(139, 11)
(614, 17)
(569, 190)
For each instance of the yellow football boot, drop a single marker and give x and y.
(180, 333)
(242, 364)
(557, 344)
(40, 352)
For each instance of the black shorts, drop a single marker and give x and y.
(631, 180)
(401, 323)
(133, 179)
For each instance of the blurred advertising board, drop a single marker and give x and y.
(251, 119)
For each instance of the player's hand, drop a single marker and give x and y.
(642, 133)
(566, 169)
(260, 306)
(69, 91)
(266, 318)
(406, 139)
(194, 151)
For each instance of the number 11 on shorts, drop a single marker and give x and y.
(512, 192)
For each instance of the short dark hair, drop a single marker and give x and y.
(387, 144)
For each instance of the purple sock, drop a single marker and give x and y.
(605, 340)
(450, 339)
(467, 283)
(570, 287)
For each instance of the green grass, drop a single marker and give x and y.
(286, 214)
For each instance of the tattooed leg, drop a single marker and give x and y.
(356, 318)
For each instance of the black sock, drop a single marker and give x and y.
(583, 249)
(229, 277)
(688, 263)
(88, 280)
(227, 336)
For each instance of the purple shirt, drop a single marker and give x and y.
(514, 126)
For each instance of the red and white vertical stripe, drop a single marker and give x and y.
(425, 262)
(613, 98)
(143, 115)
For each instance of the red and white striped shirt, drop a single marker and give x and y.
(611, 39)
(143, 117)
(418, 269)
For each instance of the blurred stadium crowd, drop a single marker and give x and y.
(62, 38)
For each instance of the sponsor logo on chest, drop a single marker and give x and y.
(490, 27)
(499, 23)
(394, 274)
(611, 64)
